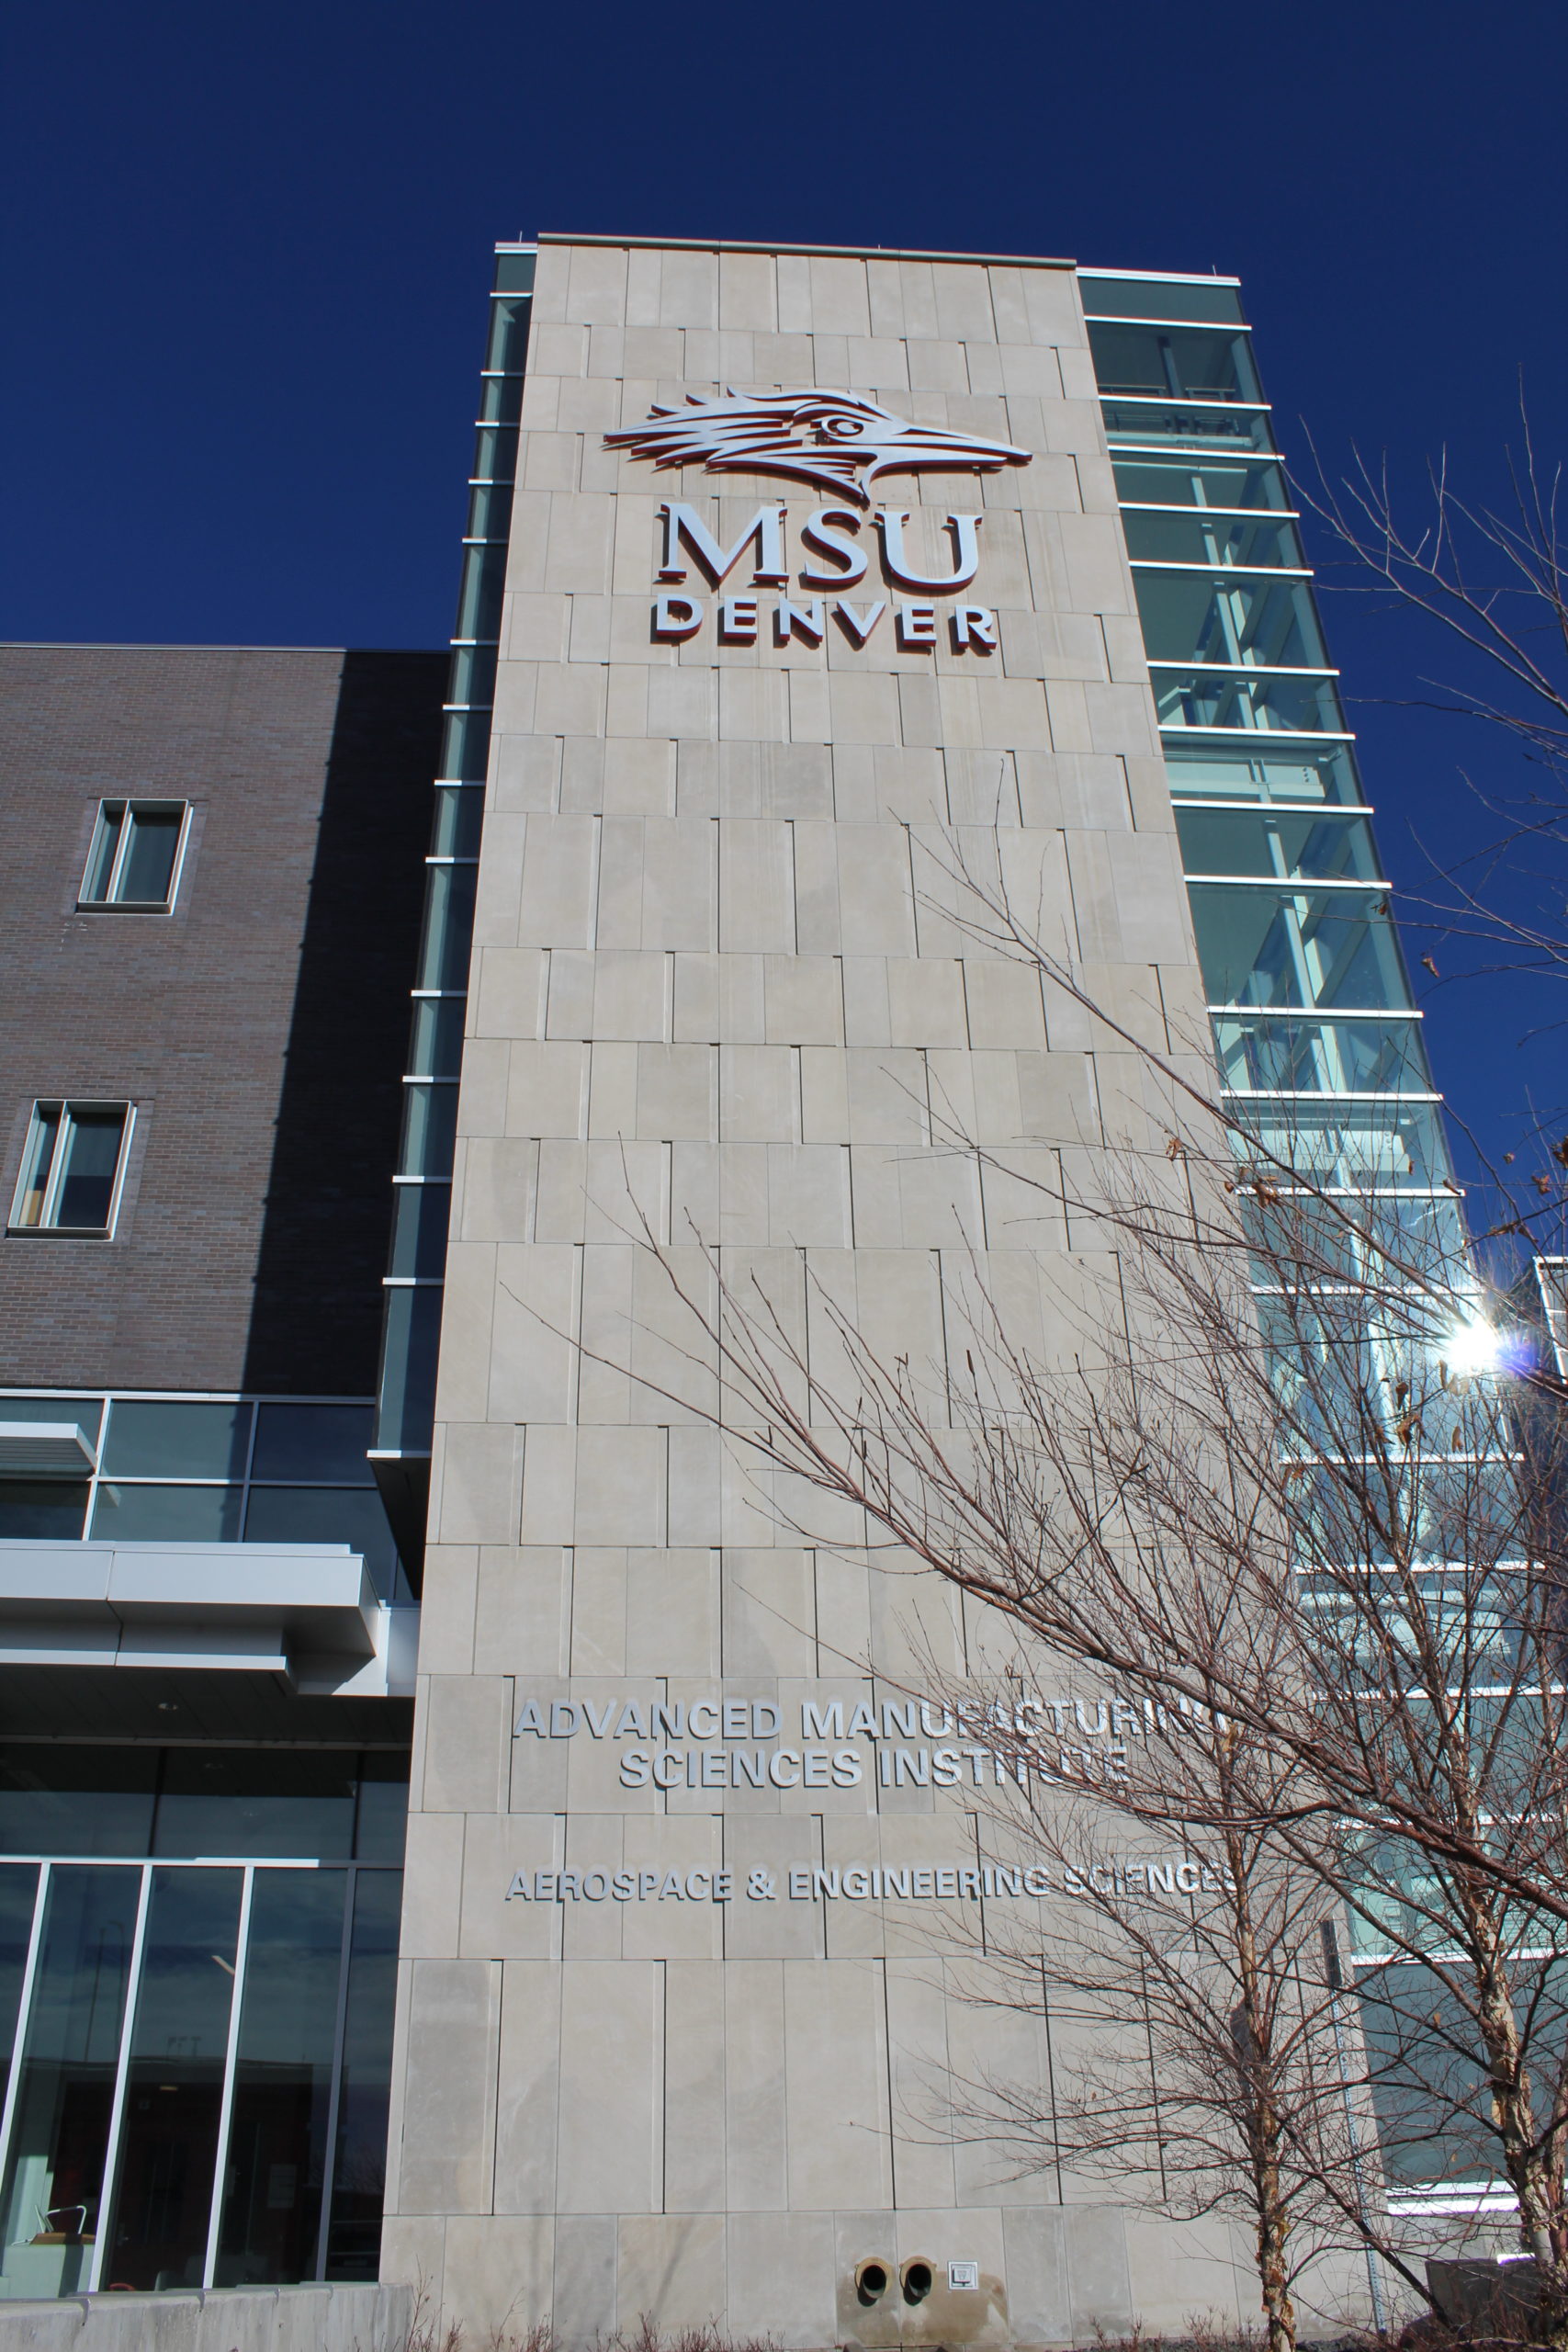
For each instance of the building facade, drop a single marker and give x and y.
(206, 1632)
(674, 1994)
(789, 576)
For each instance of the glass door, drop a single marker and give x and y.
(194, 2063)
(170, 2094)
(60, 2111)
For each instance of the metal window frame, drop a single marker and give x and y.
(243, 1481)
(1335, 808)
(1295, 884)
(1188, 400)
(111, 903)
(1173, 451)
(1284, 736)
(1225, 513)
(1312, 1094)
(1216, 571)
(1241, 670)
(1085, 269)
(1202, 326)
(67, 1106)
(1310, 1013)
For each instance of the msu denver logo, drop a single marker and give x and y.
(834, 438)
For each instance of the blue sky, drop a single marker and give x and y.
(248, 253)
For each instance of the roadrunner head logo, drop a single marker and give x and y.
(836, 439)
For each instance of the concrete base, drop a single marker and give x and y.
(1048, 2276)
(231, 2319)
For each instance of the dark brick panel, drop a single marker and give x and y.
(260, 1030)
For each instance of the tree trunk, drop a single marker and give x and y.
(1533, 2169)
(1273, 2272)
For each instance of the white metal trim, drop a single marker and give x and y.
(1249, 570)
(1282, 807)
(1202, 326)
(1295, 885)
(1131, 276)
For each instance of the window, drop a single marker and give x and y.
(1179, 363)
(134, 861)
(1267, 947)
(71, 1170)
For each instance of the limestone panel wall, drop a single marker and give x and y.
(723, 994)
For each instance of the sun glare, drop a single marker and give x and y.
(1472, 1348)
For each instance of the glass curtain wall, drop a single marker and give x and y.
(203, 1470)
(423, 1182)
(1314, 1027)
(195, 2045)
(1317, 1038)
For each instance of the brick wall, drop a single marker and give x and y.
(260, 1030)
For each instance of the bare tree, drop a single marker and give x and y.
(1494, 580)
(1491, 579)
(1208, 2063)
(1277, 1493)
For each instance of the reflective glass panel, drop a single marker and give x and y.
(105, 842)
(420, 1219)
(1200, 481)
(1355, 1144)
(359, 2168)
(1264, 947)
(147, 867)
(257, 1803)
(1260, 1050)
(1256, 771)
(448, 925)
(153, 1514)
(325, 1442)
(479, 597)
(509, 317)
(88, 1154)
(1285, 842)
(85, 1411)
(277, 2135)
(19, 1899)
(60, 1798)
(173, 2089)
(49, 1508)
(435, 1047)
(1242, 541)
(465, 749)
(1188, 363)
(472, 678)
(500, 399)
(495, 454)
(176, 1440)
(429, 1129)
(325, 1515)
(408, 1368)
(49, 2206)
(1262, 701)
(1430, 2086)
(490, 510)
(1149, 297)
(37, 1165)
(382, 1825)
(459, 818)
(1251, 621)
(1133, 422)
